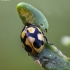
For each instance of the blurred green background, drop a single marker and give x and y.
(12, 55)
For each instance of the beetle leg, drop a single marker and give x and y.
(48, 41)
(28, 54)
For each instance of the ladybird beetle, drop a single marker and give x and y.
(32, 39)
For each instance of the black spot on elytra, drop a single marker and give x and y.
(37, 45)
(28, 48)
(42, 42)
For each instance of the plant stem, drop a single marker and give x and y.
(52, 59)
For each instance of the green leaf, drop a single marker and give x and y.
(30, 14)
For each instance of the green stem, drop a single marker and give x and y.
(52, 59)
(28, 13)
